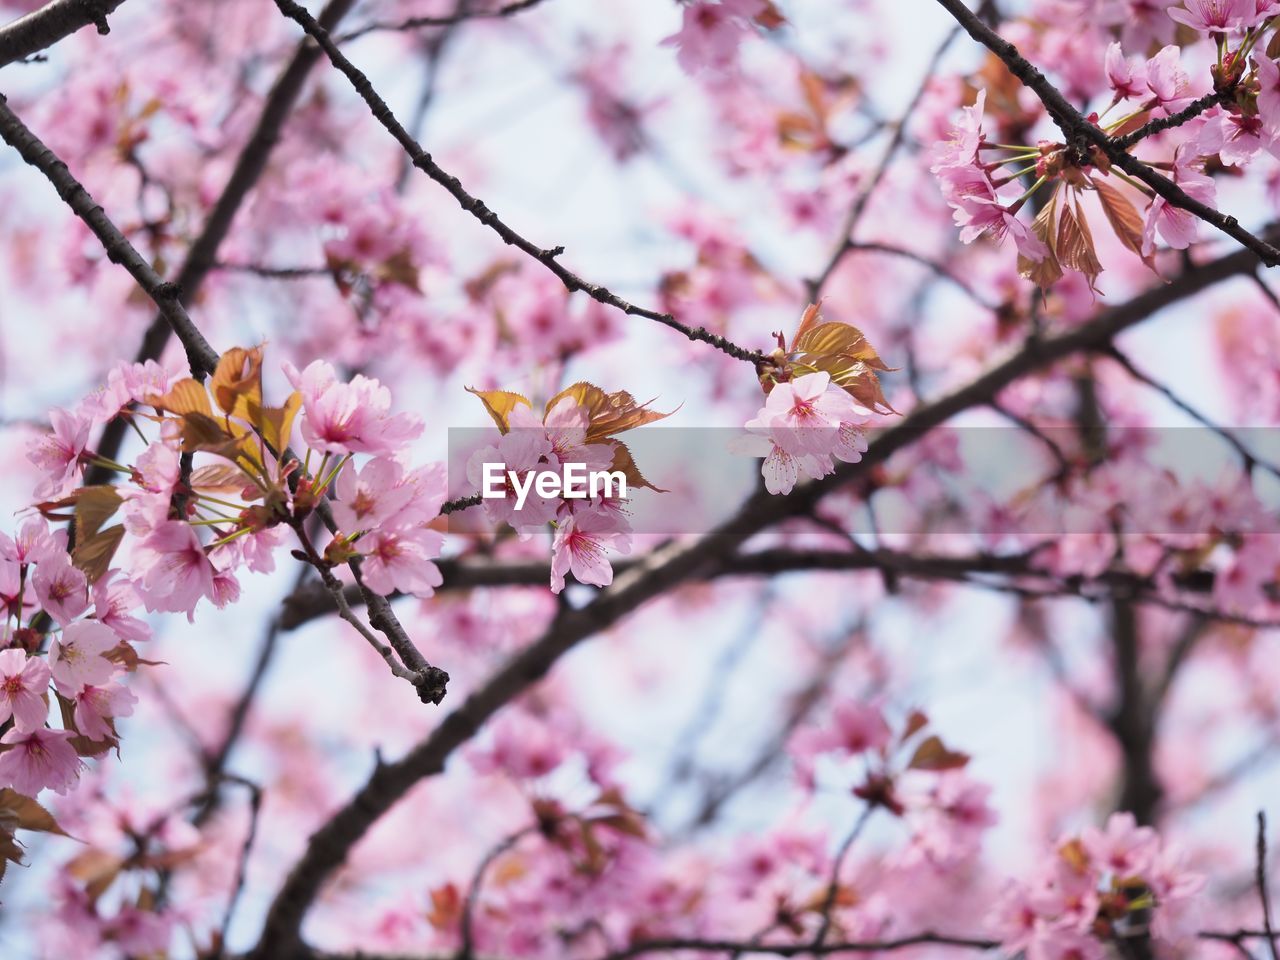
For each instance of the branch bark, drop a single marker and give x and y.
(41, 29)
(201, 356)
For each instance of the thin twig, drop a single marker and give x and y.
(415, 23)
(833, 886)
(845, 242)
(466, 947)
(477, 208)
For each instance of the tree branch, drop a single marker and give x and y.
(656, 573)
(1081, 133)
(200, 355)
(42, 28)
(202, 256)
(477, 208)
(414, 23)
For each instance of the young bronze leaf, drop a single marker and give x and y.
(500, 403)
(238, 379)
(20, 811)
(1075, 244)
(809, 319)
(200, 431)
(916, 722)
(185, 397)
(92, 555)
(1126, 222)
(855, 378)
(125, 655)
(1132, 123)
(607, 413)
(831, 339)
(1043, 273)
(624, 462)
(94, 507)
(274, 423)
(218, 479)
(932, 754)
(97, 869)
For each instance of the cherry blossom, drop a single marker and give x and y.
(579, 546)
(78, 656)
(38, 760)
(349, 417)
(24, 682)
(711, 31)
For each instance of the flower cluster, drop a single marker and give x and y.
(820, 394)
(711, 31)
(67, 641)
(1103, 887)
(579, 426)
(217, 486)
(986, 193)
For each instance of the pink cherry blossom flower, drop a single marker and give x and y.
(1014, 919)
(961, 148)
(566, 426)
(855, 728)
(370, 497)
(95, 705)
(1263, 10)
(158, 468)
(1235, 137)
(949, 820)
(258, 549)
(710, 33)
(173, 571)
(1268, 92)
(579, 546)
(226, 588)
(804, 416)
(77, 656)
(23, 683)
(521, 449)
(524, 748)
(61, 588)
(113, 599)
(781, 470)
(141, 933)
(1123, 849)
(58, 453)
(978, 215)
(1176, 888)
(33, 543)
(350, 417)
(962, 183)
(401, 560)
(1167, 80)
(1215, 16)
(1128, 78)
(39, 759)
(15, 600)
(1177, 227)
